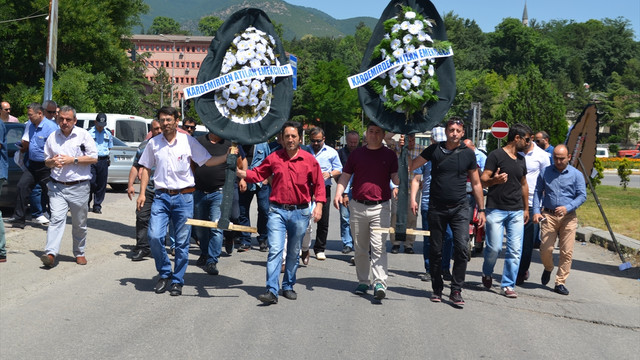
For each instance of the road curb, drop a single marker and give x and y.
(629, 247)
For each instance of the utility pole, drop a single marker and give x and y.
(52, 50)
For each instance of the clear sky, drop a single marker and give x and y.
(489, 13)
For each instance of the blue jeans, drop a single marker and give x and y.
(345, 230)
(447, 245)
(293, 224)
(207, 207)
(177, 209)
(35, 202)
(497, 221)
(262, 194)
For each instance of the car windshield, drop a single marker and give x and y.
(131, 130)
(118, 142)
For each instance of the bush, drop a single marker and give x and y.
(613, 149)
(623, 172)
(614, 139)
(597, 165)
(614, 162)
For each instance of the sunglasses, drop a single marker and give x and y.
(7, 109)
(455, 121)
(188, 126)
(50, 111)
(316, 141)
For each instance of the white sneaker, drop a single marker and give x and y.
(42, 220)
(320, 256)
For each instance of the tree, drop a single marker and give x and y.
(166, 25)
(208, 25)
(470, 51)
(536, 103)
(620, 103)
(330, 98)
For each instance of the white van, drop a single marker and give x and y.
(130, 129)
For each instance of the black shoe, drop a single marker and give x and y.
(268, 298)
(446, 275)
(202, 260)
(228, 246)
(560, 289)
(176, 289)
(395, 249)
(347, 249)
(162, 285)
(18, 224)
(546, 275)
(409, 250)
(456, 298)
(141, 254)
(289, 294)
(211, 269)
(264, 247)
(97, 210)
(244, 247)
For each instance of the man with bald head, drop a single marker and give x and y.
(560, 190)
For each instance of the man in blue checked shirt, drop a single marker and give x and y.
(100, 170)
(560, 190)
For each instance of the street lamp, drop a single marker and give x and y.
(173, 63)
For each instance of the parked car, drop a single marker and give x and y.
(130, 129)
(121, 157)
(602, 152)
(630, 152)
(9, 190)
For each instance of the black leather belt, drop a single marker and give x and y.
(289, 206)
(178, 191)
(548, 210)
(370, 202)
(68, 183)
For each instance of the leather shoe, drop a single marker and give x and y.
(202, 260)
(546, 275)
(48, 260)
(289, 294)
(162, 285)
(305, 257)
(268, 298)
(228, 246)
(560, 289)
(81, 260)
(395, 249)
(264, 247)
(409, 250)
(141, 254)
(176, 289)
(211, 269)
(97, 211)
(17, 224)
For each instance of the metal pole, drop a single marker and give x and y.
(48, 81)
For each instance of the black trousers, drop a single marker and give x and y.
(142, 221)
(37, 172)
(99, 175)
(322, 229)
(457, 218)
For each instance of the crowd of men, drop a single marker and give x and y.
(528, 194)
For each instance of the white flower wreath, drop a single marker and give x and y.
(247, 101)
(407, 88)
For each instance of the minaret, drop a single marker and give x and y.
(525, 16)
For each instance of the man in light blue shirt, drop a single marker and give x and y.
(4, 172)
(560, 190)
(331, 167)
(33, 141)
(100, 170)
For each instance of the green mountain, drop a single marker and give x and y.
(297, 21)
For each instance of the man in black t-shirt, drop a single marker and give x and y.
(452, 162)
(207, 200)
(505, 174)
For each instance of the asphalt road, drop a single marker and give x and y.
(612, 178)
(108, 310)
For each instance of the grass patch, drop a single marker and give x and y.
(622, 209)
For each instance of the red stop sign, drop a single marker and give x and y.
(499, 129)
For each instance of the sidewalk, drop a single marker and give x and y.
(629, 247)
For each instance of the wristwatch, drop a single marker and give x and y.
(75, 161)
(480, 210)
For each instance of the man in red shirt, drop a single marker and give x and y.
(296, 179)
(372, 166)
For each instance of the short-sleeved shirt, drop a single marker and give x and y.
(72, 145)
(295, 179)
(103, 139)
(371, 171)
(38, 137)
(328, 159)
(449, 171)
(537, 160)
(507, 196)
(4, 160)
(173, 161)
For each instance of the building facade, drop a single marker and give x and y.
(180, 55)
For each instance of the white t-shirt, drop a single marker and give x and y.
(172, 162)
(537, 160)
